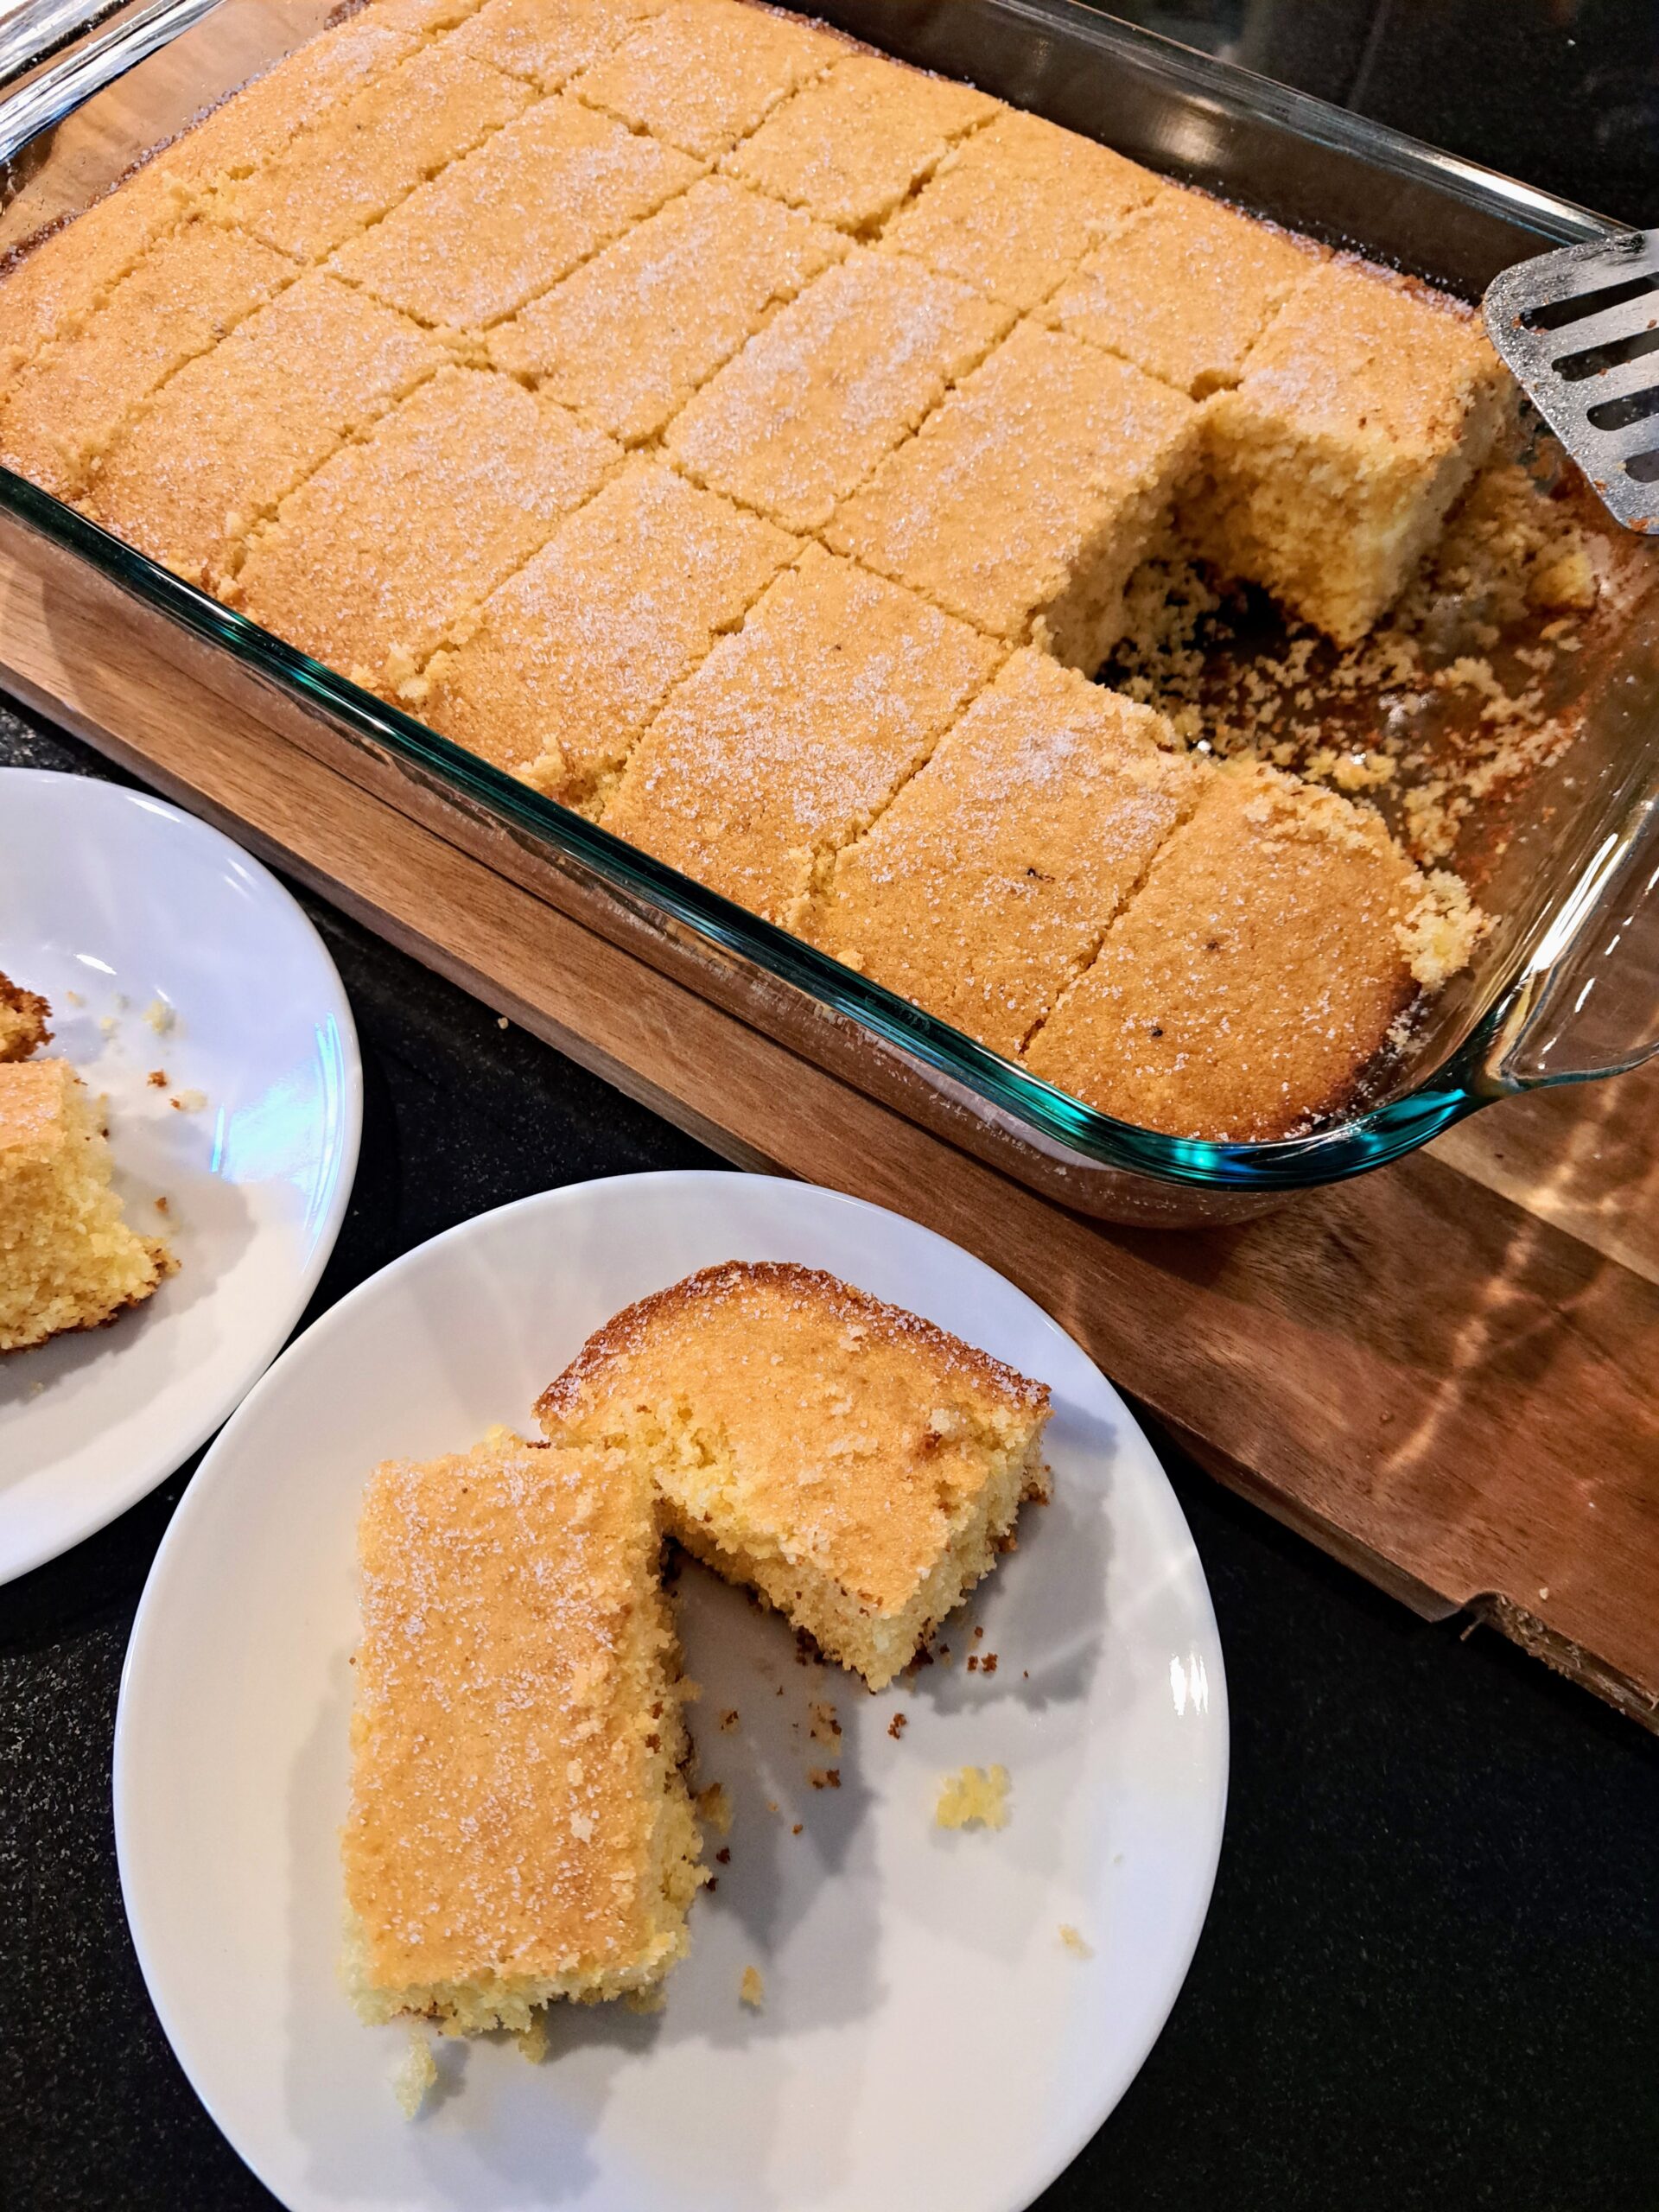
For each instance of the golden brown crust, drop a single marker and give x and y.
(23, 1017)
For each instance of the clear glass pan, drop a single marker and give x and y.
(1565, 988)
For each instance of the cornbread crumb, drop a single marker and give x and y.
(976, 1796)
(156, 1078)
(188, 1102)
(647, 2001)
(898, 1725)
(715, 1808)
(160, 1016)
(24, 1017)
(416, 2072)
(825, 1726)
(825, 1778)
(751, 1990)
(1074, 1942)
(727, 1722)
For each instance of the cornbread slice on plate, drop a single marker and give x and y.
(1015, 208)
(1361, 414)
(855, 1465)
(519, 1828)
(548, 41)
(67, 1258)
(701, 73)
(1032, 494)
(23, 1017)
(849, 148)
(989, 883)
(796, 731)
(1260, 967)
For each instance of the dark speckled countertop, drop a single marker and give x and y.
(1430, 1977)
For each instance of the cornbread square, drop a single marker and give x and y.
(398, 537)
(1362, 413)
(573, 656)
(519, 1828)
(795, 732)
(1183, 290)
(355, 164)
(849, 148)
(855, 1464)
(628, 337)
(814, 400)
(59, 415)
(23, 1017)
(702, 72)
(227, 438)
(514, 216)
(1246, 986)
(68, 1258)
(1032, 494)
(1016, 208)
(547, 42)
(989, 883)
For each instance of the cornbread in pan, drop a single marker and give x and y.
(519, 1828)
(67, 1258)
(24, 1019)
(989, 883)
(1028, 498)
(702, 73)
(796, 731)
(855, 1465)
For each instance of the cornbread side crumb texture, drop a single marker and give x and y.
(1256, 970)
(520, 1826)
(24, 1019)
(795, 732)
(67, 1258)
(973, 1797)
(700, 73)
(989, 883)
(857, 1465)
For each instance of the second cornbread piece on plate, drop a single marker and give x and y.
(519, 1829)
(855, 1464)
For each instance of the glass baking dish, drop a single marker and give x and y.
(1566, 986)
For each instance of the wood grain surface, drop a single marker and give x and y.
(1446, 1373)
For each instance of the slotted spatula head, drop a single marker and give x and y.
(1580, 330)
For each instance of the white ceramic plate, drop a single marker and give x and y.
(928, 2040)
(116, 905)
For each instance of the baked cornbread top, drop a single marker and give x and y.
(501, 1815)
(842, 1431)
(989, 881)
(34, 1097)
(24, 1017)
(547, 41)
(702, 73)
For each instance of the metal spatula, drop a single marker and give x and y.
(1580, 330)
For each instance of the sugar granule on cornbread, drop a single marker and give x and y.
(519, 1829)
(796, 731)
(975, 1796)
(1257, 972)
(1361, 414)
(799, 418)
(857, 1465)
(702, 72)
(849, 148)
(1014, 209)
(24, 1019)
(628, 337)
(1031, 495)
(571, 657)
(68, 1258)
(989, 881)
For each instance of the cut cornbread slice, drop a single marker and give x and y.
(1251, 980)
(701, 73)
(59, 415)
(401, 533)
(362, 158)
(849, 148)
(224, 440)
(547, 42)
(519, 1829)
(804, 413)
(1183, 290)
(1362, 413)
(1016, 207)
(629, 336)
(989, 883)
(68, 1258)
(23, 1017)
(573, 656)
(1032, 494)
(857, 1466)
(514, 216)
(795, 732)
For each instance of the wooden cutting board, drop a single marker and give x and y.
(1446, 1373)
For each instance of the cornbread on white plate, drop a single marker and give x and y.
(520, 1828)
(23, 1017)
(857, 1465)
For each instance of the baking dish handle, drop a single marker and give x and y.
(1588, 1005)
(119, 43)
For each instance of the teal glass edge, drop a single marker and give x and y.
(1349, 1147)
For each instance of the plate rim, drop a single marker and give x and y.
(152, 1599)
(149, 1471)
